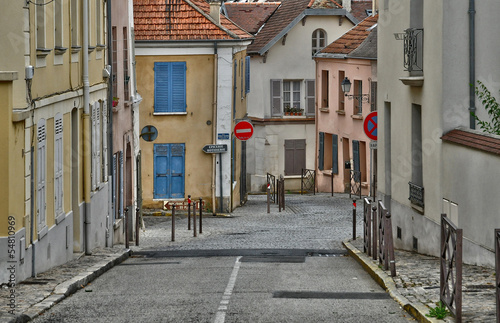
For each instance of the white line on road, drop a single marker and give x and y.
(220, 316)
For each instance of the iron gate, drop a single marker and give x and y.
(308, 181)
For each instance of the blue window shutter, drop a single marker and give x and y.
(162, 87)
(321, 153)
(355, 154)
(161, 170)
(177, 171)
(247, 74)
(335, 154)
(178, 77)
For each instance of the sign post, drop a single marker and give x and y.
(370, 127)
(243, 130)
(217, 149)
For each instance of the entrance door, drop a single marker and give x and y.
(169, 171)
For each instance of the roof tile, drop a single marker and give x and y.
(250, 15)
(475, 140)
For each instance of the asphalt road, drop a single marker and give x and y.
(253, 267)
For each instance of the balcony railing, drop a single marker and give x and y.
(413, 48)
(416, 194)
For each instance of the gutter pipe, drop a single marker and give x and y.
(86, 127)
(214, 124)
(110, 121)
(472, 66)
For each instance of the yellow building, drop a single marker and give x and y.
(193, 78)
(54, 166)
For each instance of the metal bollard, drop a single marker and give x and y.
(125, 217)
(353, 219)
(268, 198)
(189, 212)
(194, 219)
(173, 222)
(201, 215)
(137, 226)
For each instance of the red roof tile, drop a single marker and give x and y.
(162, 20)
(359, 7)
(475, 140)
(351, 39)
(250, 15)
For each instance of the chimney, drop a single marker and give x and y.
(346, 4)
(215, 10)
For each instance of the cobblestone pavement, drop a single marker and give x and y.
(314, 221)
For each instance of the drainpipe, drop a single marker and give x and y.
(110, 120)
(32, 209)
(472, 66)
(86, 127)
(214, 124)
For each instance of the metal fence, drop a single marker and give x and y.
(355, 183)
(308, 181)
(386, 246)
(367, 226)
(281, 193)
(451, 267)
(271, 183)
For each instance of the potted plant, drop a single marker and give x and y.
(301, 111)
(115, 101)
(288, 110)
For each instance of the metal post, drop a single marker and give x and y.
(279, 195)
(173, 222)
(353, 219)
(201, 215)
(137, 226)
(125, 217)
(374, 231)
(220, 182)
(189, 212)
(194, 219)
(268, 197)
(332, 181)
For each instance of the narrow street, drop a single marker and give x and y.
(250, 267)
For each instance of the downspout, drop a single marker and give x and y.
(86, 127)
(472, 66)
(214, 125)
(110, 119)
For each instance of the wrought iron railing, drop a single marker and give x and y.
(271, 183)
(451, 267)
(355, 183)
(416, 194)
(308, 181)
(413, 49)
(367, 226)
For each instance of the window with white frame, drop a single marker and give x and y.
(96, 145)
(318, 40)
(41, 178)
(58, 164)
(288, 96)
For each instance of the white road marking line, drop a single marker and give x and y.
(220, 316)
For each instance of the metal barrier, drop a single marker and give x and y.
(367, 226)
(386, 247)
(355, 183)
(497, 271)
(308, 181)
(281, 193)
(451, 267)
(271, 183)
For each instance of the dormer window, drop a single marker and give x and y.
(318, 40)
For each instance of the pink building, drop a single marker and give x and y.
(341, 143)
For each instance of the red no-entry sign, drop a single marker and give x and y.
(370, 125)
(243, 130)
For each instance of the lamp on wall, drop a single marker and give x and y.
(346, 88)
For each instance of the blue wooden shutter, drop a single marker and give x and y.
(178, 76)
(355, 154)
(161, 170)
(321, 152)
(161, 87)
(335, 154)
(247, 74)
(176, 171)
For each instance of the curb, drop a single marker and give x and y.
(66, 288)
(385, 281)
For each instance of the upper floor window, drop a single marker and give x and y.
(318, 40)
(286, 96)
(58, 24)
(40, 24)
(58, 164)
(74, 23)
(170, 87)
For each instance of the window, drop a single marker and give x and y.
(118, 184)
(41, 178)
(242, 79)
(373, 96)
(170, 87)
(247, 74)
(104, 143)
(328, 152)
(74, 23)
(325, 76)
(40, 24)
(169, 171)
(358, 102)
(416, 145)
(98, 19)
(58, 24)
(114, 67)
(295, 156)
(58, 164)
(291, 94)
(341, 93)
(96, 145)
(287, 94)
(318, 40)
(126, 77)
(310, 97)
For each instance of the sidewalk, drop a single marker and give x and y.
(416, 285)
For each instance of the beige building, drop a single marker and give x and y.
(55, 185)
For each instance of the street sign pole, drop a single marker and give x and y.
(220, 184)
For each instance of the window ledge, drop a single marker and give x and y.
(341, 112)
(293, 117)
(43, 232)
(293, 176)
(324, 109)
(117, 223)
(91, 49)
(412, 80)
(58, 50)
(357, 116)
(100, 47)
(42, 52)
(75, 49)
(61, 217)
(169, 113)
(328, 172)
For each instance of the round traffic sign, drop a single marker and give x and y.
(370, 125)
(243, 130)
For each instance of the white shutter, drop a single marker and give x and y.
(105, 141)
(98, 132)
(58, 164)
(93, 138)
(121, 183)
(41, 174)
